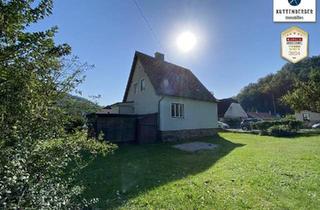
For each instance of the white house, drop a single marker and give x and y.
(308, 116)
(184, 106)
(229, 108)
(118, 108)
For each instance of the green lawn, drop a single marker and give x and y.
(245, 171)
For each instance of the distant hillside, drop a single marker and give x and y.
(265, 95)
(76, 109)
(77, 105)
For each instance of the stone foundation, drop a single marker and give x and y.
(179, 135)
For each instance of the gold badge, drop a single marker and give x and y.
(294, 44)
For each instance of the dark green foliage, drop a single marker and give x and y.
(281, 131)
(76, 105)
(265, 125)
(266, 94)
(74, 123)
(35, 75)
(76, 109)
(279, 127)
(306, 94)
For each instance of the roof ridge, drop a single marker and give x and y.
(184, 68)
(169, 79)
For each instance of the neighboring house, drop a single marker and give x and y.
(308, 116)
(230, 108)
(261, 115)
(183, 105)
(119, 108)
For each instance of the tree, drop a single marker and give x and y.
(76, 109)
(35, 73)
(306, 94)
(266, 94)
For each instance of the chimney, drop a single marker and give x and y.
(159, 56)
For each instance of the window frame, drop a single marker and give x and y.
(306, 116)
(142, 85)
(177, 110)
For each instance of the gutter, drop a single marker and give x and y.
(162, 97)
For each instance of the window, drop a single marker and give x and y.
(143, 85)
(177, 110)
(135, 88)
(306, 117)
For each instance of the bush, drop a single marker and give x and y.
(74, 123)
(281, 131)
(282, 127)
(43, 176)
(35, 75)
(265, 125)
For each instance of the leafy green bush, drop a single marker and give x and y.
(282, 127)
(74, 123)
(265, 125)
(281, 131)
(42, 176)
(76, 108)
(35, 151)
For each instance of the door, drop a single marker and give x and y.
(147, 128)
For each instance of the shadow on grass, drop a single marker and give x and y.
(135, 169)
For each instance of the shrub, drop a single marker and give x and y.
(265, 125)
(42, 176)
(281, 131)
(295, 125)
(35, 151)
(282, 127)
(74, 123)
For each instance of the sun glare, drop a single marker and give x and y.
(186, 41)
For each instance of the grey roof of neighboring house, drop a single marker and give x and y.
(261, 115)
(170, 80)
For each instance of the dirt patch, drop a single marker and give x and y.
(195, 146)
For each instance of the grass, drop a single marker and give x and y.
(245, 171)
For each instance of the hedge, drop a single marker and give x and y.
(283, 127)
(265, 125)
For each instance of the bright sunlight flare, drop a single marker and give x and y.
(186, 41)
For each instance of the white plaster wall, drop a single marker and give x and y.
(197, 114)
(314, 117)
(113, 110)
(235, 111)
(126, 109)
(145, 102)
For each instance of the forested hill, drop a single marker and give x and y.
(265, 95)
(76, 105)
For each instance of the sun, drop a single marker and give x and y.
(186, 41)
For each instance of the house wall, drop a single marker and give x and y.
(113, 110)
(235, 111)
(314, 117)
(145, 102)
(126, 109)
(197, 115)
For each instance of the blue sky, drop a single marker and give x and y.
(237, 40)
